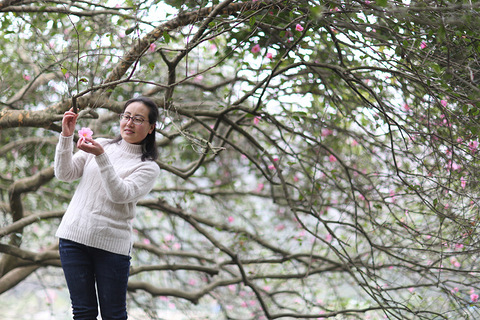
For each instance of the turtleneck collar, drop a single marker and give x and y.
(130, 148)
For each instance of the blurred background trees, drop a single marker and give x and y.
(318, 158)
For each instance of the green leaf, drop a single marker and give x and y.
(131, 29)
(382, 3)
(166, 36)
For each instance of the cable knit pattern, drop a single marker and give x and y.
(102, 208)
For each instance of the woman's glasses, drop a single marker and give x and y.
(136, 120)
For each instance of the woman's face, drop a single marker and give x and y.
(135, 133)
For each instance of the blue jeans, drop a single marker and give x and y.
(84, 267)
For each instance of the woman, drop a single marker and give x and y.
(95, 232)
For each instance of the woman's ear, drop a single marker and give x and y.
(152, 127)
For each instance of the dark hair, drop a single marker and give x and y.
(149, 146)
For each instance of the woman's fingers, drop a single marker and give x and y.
(89, 145)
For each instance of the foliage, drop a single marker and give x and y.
(319, 157)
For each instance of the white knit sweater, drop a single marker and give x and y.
(101, 211)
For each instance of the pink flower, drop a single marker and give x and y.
(230, 219)
(474, 297)
(169, 237)
(152, 47)
(256, 48)
(463, 182)
(26, 77)
(326, 132)
(444, 103)
(272, 166)
(473, 145)
(299, 27)
(332, 158)
(259, 187)
(85, 132)
(256, 120)
(453, 165)
(423, 45)
(269, 55)
(455, 262)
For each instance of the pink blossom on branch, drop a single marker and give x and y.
(474, 297)
(152, 47)
(256, 48)
(299, 27)
(326, 132)
(463, 182)
(473, 145)
(272, 166)
(85, 132)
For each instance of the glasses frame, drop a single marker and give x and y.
(135, 120)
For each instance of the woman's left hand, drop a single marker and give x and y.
(89, 145)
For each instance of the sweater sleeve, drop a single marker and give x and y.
(131, 188)
(68, 167)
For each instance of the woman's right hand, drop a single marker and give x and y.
(68, 123)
